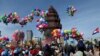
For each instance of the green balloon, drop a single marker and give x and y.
(67, 31)
(78, 33)
(4, 17)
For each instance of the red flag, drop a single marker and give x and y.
(96, 31)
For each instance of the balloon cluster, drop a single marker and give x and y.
(41, 24)
(56, 33)
(71, 10)
(27, 19)
(38, 12)
(73, 33)
(11, 18)
(18, 35)
(5, 38)
(15, 18)
(72, 36)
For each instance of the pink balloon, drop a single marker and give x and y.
(46, 26)
(82, 33)
(40, 26)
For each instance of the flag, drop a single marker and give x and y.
(96, 31)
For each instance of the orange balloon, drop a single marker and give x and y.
(56, 33)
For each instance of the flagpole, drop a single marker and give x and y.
(91, 40)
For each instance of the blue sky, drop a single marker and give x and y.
(86, 19)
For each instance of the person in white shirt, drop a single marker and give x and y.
(78, 53)
(97, 51)
(80, 49)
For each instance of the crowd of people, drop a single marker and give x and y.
(53, 49)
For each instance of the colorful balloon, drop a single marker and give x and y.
(15, 18)
(18, 35)
(36, 12)
(42, 20)
(29, 18)
(56, 33)
(43, 13)
(71, 10)
(45, 25)
(40, 26)
(74, 30)
(4, 19)
(73, 33)
(23, 22)
(5, 38)
(67, 31)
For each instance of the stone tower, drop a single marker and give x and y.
(53, 21)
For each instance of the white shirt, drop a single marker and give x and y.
(40, 53)
(78, 53)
